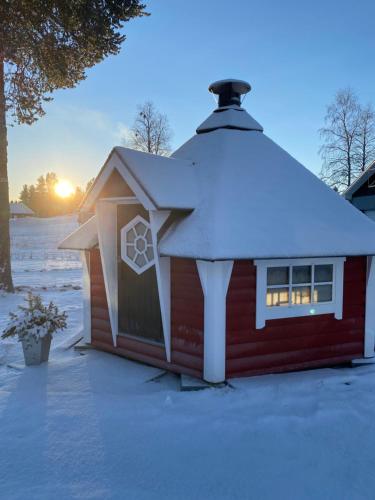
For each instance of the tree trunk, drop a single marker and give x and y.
(5, 266)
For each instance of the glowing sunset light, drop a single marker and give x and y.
(64, 189)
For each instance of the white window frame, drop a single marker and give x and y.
(264, 312)
(124, 245)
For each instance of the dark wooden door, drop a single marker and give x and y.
(138, 297)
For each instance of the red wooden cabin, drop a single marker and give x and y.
(227, 259)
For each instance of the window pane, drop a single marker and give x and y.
(323, 293)
(277, 275)
(323, 273)
(301, 295)
(301, 274)
(277, 297)
(148, 236)
(140, 244)
(130, 236)
(140, 260)
(150, 253)
(130, 252)
(140, 229)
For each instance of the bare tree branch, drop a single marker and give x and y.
(151, 131)
(348, 140)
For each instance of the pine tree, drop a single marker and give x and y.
(25, 195)
(45, 46)
(77, 199)
(41, 197)
(32, 198)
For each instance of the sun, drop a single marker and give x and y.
(64, 189)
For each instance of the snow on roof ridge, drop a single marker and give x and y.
(229, 117)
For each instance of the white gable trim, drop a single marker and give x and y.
(370, 309)
(115, 162)
(106, 213)
(163, 276)
(214, 277)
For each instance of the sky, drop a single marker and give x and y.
(295, 54)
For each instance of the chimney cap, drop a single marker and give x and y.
(238, 86)
(229, 91)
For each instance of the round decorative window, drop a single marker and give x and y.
(136, 245)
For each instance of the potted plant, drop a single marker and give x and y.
(34, 326)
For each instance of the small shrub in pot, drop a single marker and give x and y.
(34, 326)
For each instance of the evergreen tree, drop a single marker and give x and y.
(77, 199)
(52, 207)
(25, 195)
(32, 199)
(41, 197)
(45, 46)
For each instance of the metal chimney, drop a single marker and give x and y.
(229, 91)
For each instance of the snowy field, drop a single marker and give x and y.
(95, 426)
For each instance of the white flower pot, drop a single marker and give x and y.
(36, 351)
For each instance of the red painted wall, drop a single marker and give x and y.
(283, 345)
(292, 343)
(186, 318)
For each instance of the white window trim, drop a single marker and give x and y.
(264, 313)
(124, 245)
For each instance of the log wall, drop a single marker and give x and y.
(292, 343)
(186, 319)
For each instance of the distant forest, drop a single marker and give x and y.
(45, 202)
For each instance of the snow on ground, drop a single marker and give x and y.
(94, 426)
(38, 266)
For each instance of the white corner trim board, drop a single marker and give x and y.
(264, 312)
(85, 258)
(370, 309)
(106, 214)
(214, 277)
(163, 277)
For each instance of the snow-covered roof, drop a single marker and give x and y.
(246, 196)
(84, 237)
(361, 179)
(166, 182)
(19, 208)
(257, 201)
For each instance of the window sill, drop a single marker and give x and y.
(298, 311)
(144, 340)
